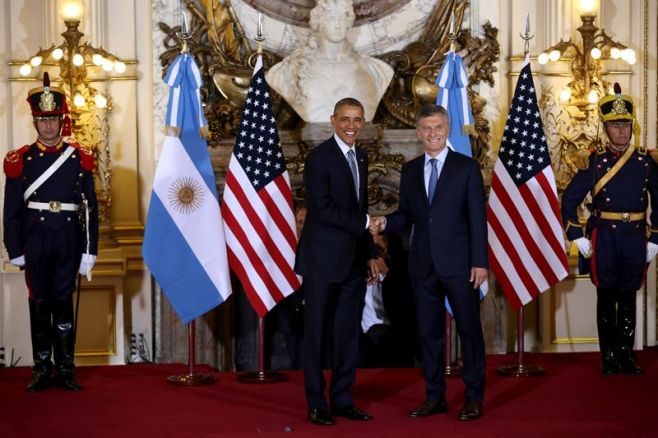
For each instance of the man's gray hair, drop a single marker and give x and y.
(430, 109)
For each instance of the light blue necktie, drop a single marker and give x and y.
(355, 176)
(434, 176)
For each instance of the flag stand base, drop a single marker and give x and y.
(520, 369)
(191, 378)
(262, 377)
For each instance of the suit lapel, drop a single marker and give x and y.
(446, 170)
(420, 178)
(345, 167)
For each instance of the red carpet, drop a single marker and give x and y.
(571, 399)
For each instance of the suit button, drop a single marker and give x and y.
(68, 219)
(42, 218)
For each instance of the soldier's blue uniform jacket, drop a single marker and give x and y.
(53, 236)
(619, 243)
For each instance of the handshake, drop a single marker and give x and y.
(377, 225)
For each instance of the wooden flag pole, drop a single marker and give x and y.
(452, 369)
(191, 378)
(520, 369)
(262, 376)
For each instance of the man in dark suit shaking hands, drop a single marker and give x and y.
(442, 196)
(335, 254)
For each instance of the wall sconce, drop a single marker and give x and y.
(588, 86)
(73, 59)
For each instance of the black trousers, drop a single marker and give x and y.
(429, 296)
(331, 309)
(52, 259)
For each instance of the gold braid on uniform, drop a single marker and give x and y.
(571, 224)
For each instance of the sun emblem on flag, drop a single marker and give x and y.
(185, 195)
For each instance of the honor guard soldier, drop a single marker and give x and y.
(51, 231)
(622, 179)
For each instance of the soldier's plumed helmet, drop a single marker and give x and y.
(616, 107)
(47, 101)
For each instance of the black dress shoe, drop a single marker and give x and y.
(351, 413)
(629, 367)
(40, 380)
(320, 417)
(429, 407)
(471, 410)
(67, 381)
(608, 370)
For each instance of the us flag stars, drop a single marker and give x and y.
(259, 150)
(523, 149)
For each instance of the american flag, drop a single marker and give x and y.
(257, 208)
(526, 244)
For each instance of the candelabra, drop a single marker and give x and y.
(588, 84)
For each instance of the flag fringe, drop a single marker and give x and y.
(171, 131)
(468, 129)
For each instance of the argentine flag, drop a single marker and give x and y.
(184, 244)
(452, 81)
(453, 96)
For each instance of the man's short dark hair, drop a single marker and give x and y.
(430, 109)
(348, 101)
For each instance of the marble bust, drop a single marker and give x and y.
(327, 68)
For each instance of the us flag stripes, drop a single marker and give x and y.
(257, 208)
(526, 244)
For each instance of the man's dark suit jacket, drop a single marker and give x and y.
(334, 239)
(451, 235)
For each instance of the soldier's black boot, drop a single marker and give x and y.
(40, 327)
(64, 337)
(626, 333)
(606, 324)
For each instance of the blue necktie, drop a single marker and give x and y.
(355, 176)
(434, 176)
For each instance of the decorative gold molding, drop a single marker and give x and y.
(562, 341)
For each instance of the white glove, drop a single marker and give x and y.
(584, 246)
(87, 264)
(652, 249)
(20, 261)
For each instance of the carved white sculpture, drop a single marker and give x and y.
(327, 68)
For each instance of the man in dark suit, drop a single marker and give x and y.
(333, 252)
(442, 196)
